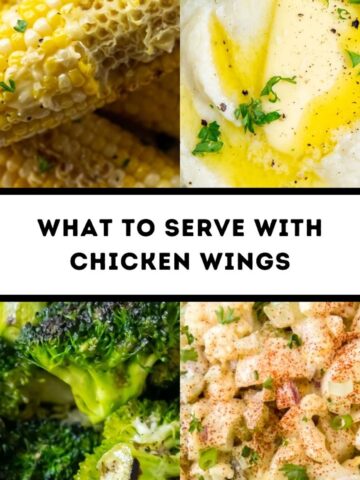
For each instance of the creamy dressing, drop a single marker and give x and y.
(230, 49)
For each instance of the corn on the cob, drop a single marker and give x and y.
(91, 152)
(155, 106)
(62, 58)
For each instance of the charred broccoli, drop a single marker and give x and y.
(104, 351)
(140, 441)
(43, 449)
(14, 315)
(14, 381)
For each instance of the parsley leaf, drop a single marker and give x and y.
(226, 316)
(268, 89)
(354, 57)
(252, 114)
(354, 1)
(210, 142)
(251, 454)
(294, 472)
(258, 309)
(294, 341)
(343, 13)
(44, 164)
(195, 425)
(8, 88)
(187, 355)
(268, 384)
(21, 26)
(185, 331)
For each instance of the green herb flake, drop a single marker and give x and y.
(256, 375)
(21, 26)
(258, 309)
(195, 425)
(305, 419)
(44, 165)
(294, 472)
(341, 422)
(185, 331)
(294, 341)
(343, 13)
(208, 458)
(252, 114)
(268, 90)
(251, 454)
(354, 57)
(188, 355)
(268, 384)
(356, 2)
(226, 316)
(210, 142)
(8, 88)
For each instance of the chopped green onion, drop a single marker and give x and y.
(195, 425)
(341, 422)
(208, 458)
(185, 331)
(8, 88)
(268, 384)
(256, 375)
(251, 454)
(295, 341)
(188, 355)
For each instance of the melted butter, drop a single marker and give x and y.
(325, 101)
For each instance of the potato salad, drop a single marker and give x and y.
(270, 391)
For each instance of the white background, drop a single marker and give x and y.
(33, 264)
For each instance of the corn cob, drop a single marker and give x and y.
(155, 106)
(91, 152)
(61, 58)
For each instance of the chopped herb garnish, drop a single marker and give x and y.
(210, 142)
(341, 422)
(269, 87)
(294, 341)
(294, 472)
(188, 355)
(8, 88)
(305, 419)
(226, 316)
(268, 384)
(21, 26)
(126, 162)
(354, 57)
(185, 331)
(44, 164)
(208, 458)
(256, 375)
(343, 13)
(354, 1)
(195, 425)
(258, 309)
(251, 454)
(252, 114)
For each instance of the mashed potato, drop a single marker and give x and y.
(231, 49)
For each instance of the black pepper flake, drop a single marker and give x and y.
(355, 23)
(223, 107)
(204, 123)
(245, 92)
(333, 30)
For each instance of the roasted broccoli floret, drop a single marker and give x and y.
(104, 351)
(140, 441)
(14, 381)
(43, 449)
(14, 315)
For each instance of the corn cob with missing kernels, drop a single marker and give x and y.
(60, 59)
(91, 152)
(155, 106)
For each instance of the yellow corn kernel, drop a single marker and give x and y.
(76, 78)
(14, 59)
(49, 82)
(86, 68)
(61, 40)
(55, 19)
(92, 165)
(3, 62)
(91, 87)
(48, 46)
(53, 67)
(17, 41)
